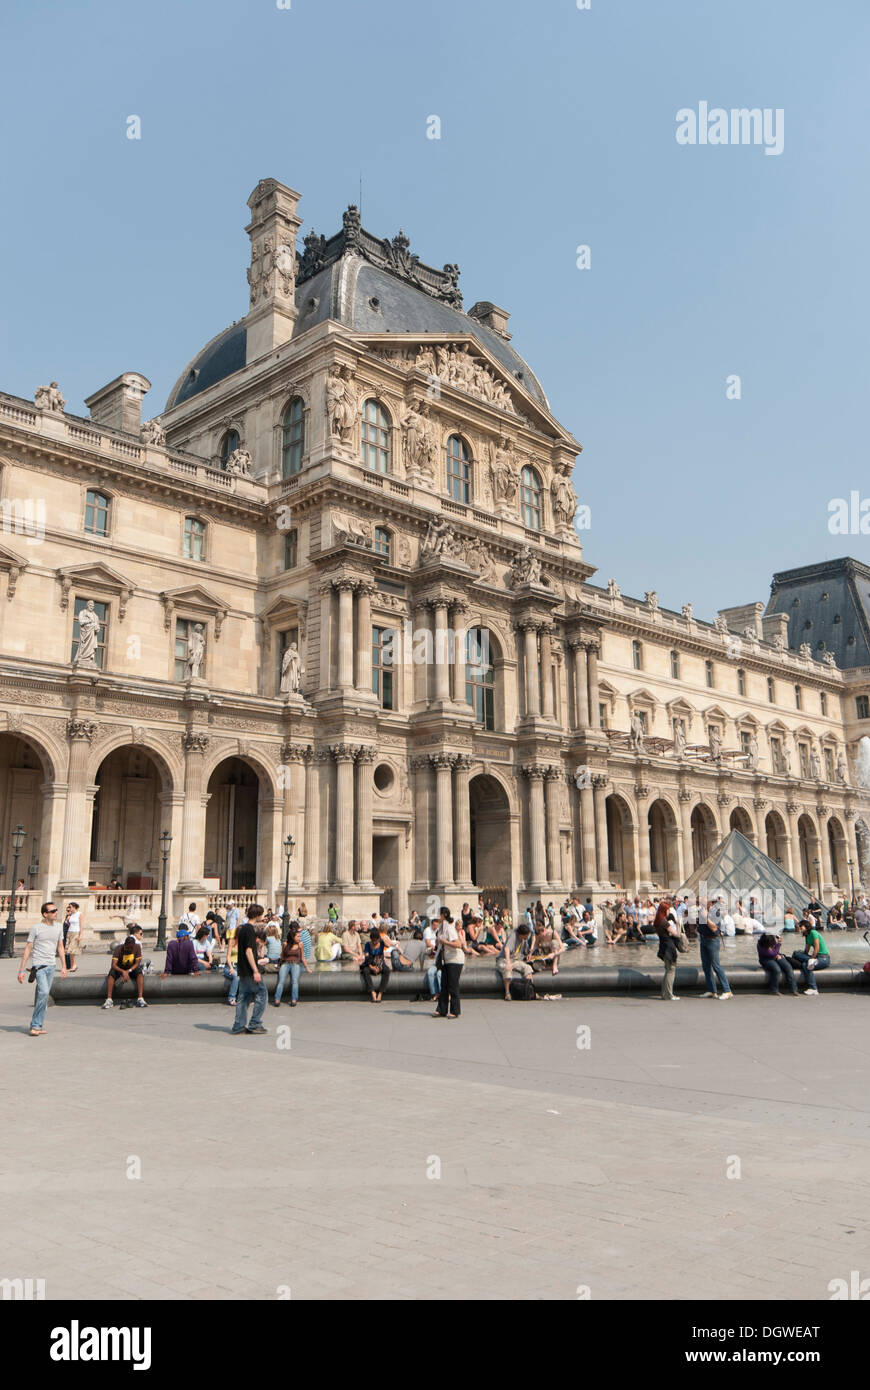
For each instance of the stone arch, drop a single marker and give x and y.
(705, 833)
(129, 812)
(808, 852)
(621, 866)
(838, 847)
(491, 841)
(266, 773)
(28, 771)
(741, 820)
(168, 762)
(237, 851)
(662, 826)
(776, 835)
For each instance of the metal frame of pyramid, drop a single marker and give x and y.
(740, 870)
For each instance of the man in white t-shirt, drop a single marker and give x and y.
(44, 945)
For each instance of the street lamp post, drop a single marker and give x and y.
(851, 881)
(18, 837)
(288, 851)
(818, 878)
(165, 842)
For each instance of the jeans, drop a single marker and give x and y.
(230, 974)
(44, 978)
(376, 984)
(711, 967)
(801, 959)
(774, 969)
(448, 999)
(396, 963)
(248, 990)
(433, 981)
(294, 970)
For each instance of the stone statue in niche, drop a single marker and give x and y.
(636, 736)
(504, 478)
(341, 404)
(89, 631)
(564, 500)
(291, 671)
(679, 740)
(195, 654)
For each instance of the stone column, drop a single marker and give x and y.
(688, 864)
(537, 881)
(364, 802)
(587, 839)
(758, 805)
(421, 768)
(345, 633)
(193, 819)
(344, 755)
(459, 640)
(552, 787)
(76, 823)
(421, 668)
(292, 784)
(443, 764)
(592, 650)
(580, 683)
(530, 644)
(644, 870)
(365, 589)
(827, 867)
(312, 822)
(546, 673)
(462, 822)
(440, 654)
(599, 793)
(794, 844)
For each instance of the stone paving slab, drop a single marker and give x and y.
(309, 1166)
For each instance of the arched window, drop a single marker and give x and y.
(229, 444)
(383, 542)
(293, 445)
(480, 676)
(194, 538)
(675, 666)
(458, 469)
(532, 493)
(741, 681)
(637, 655)
(96, 514)
(375, 438)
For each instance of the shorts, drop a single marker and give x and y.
(118, 974)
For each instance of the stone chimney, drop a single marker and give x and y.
(744, 616)
(491, 317)
(775, 625)
(272, 272)
(119, 405)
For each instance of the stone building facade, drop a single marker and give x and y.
(337, 592)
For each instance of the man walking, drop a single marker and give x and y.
(44, 943)
(709, 934)
(250, 985)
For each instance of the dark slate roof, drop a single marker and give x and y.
(418, 300)
(828, 606)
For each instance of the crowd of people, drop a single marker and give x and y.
(247, 946)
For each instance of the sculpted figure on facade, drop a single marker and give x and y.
(291, 671)
(49, 398)
(421, 448)
(715, 739)
(353, 530)
(504, 477)
(719, 623)
(613, 589)
(195, 654)
(341, 404)
(89, 632)
(152, 432)
(651, 599)
(778, 642)
(525, 569)
(564, 500)
(636, 737)
(806, 651)
(239, 463)
(438, 540)
(688, 612)
(815, 765)
(486, 572)
(752, 752)
(842, 769)
(679, 739)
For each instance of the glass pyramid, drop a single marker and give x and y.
(738, 872)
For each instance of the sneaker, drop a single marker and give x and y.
(276, 1003)
(675, 998)
(811, 991)
(238, 1030)
(141, 1004)
(726, 995)
(109, 1004)
(708, 994)
(258, 1029)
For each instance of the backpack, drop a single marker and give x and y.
(523, 989)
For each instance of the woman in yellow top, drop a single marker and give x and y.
(230, 972)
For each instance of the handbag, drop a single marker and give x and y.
(682, 942)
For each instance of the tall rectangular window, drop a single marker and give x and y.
(101, 611)
(708, 674)
(776, 754)
(862, 706)
(823, 703)
(804, 759)
(383, 661)
(291, 550)
(183, 628)
(96, 514)
(194, 538)
(829, 765)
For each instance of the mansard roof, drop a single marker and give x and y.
(828, 606)
(371, 286)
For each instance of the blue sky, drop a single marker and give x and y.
(558, 130)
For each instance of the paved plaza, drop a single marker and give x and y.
(314, 1167)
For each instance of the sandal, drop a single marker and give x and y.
(35, 1032)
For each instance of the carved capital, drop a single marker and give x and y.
(344, 584)
(80, 729)
(792, 809)
(442, 760)
(534, 772)
(366, 755)
(641, 791)
(724, 798)
(759, 803)
(344, 752)
(294, 753)
(463, 762)
(600, 781)
(823, 811)
(553, 773)
(193, 742)
(593, 648)
(850, 813)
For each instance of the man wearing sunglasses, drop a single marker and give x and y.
(44, 942)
